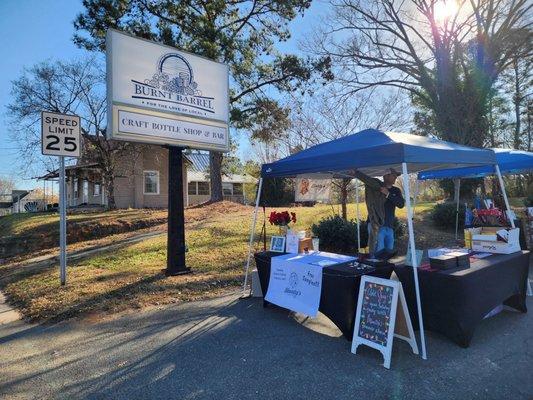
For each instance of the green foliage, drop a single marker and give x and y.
(338, 235)
(443, 215)
(242, 34)
(467, 189)
(277, 192)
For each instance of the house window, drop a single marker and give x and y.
(203, 188)
(96, 191)
(192, 188)
(227, 188)
(75, 188)
(151, 182)
(237, 189)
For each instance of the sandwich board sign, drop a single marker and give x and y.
(60, 136)
(380, 317)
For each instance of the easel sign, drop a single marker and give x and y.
(378, 318)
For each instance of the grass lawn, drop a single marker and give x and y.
(217, 237)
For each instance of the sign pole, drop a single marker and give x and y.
(62, 223)
(176, 214)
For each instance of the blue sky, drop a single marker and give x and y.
(35, 30)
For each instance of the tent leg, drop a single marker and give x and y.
(405, 177)
(357, 214)
(457, 195)
(502, 187)
(252, 231)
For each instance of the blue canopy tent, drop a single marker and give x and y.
(373, 152)
(508, 161)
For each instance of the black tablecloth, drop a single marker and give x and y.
(340, 289)
(455, 301)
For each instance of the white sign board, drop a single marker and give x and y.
(158, 94)
(378, 318)
(295, 285)
(312, 189)
(60, 134)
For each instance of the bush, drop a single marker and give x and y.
(399, 228)
(338, 235)
(443, 215)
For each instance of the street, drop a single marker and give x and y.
(234, 349)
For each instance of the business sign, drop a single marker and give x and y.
(312, 190)
(158, 94)
(378, 318)
(295, 285)
(60, 134)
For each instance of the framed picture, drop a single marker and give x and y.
(277, 244)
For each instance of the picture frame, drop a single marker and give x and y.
(277, 244)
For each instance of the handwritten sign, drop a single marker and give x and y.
(375, 312)
(295, 285)
(376, 317)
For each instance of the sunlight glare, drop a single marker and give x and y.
(445, 10)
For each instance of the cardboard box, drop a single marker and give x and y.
(512, 244)
(307, 242)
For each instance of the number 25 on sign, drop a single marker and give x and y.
(60, 134)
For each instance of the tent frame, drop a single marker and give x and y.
(405, 177)
(507, 207)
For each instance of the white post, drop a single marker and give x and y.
(252, 231)
(502, 187)
(357, 214)
(405, 177)
(457, 183)
(62, 223)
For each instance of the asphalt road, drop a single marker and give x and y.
(234, 349)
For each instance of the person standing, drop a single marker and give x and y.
(381, 198)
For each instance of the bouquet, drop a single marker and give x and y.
(281, 218)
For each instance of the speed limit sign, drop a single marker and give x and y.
(60, 134)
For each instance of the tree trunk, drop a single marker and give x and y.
(516, 100)
(215, 175)
(344, 197)
(109, 183)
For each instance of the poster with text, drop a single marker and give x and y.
(312, 190)
(295, 285)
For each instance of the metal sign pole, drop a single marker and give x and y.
(62, 223)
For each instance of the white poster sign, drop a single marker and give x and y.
(295, 285)
(159, 94)
(312, 189)
(60, 134)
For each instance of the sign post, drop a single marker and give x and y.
(60, 136)
(168, 97)
(176, 218)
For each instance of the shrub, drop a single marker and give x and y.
(443, 215)
(399, 228)
(338, 235)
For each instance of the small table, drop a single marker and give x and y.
(455, 301)
(340, 288)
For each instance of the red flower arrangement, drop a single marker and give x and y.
(281, 218)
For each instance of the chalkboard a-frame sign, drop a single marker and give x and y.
(378, 318)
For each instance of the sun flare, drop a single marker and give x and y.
(445, 10)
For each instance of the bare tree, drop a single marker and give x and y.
(325, 115)
(76, 87)
(447, 59)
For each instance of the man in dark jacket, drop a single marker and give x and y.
(381, 199)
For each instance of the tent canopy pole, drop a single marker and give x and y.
(502, 187)
(252, 231)
(457, 183)
(357, 215)
(405, 177)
